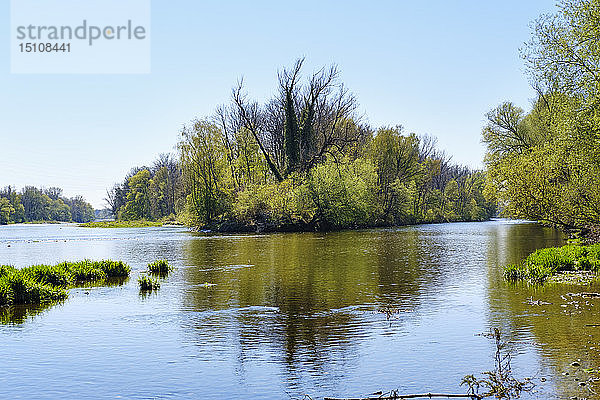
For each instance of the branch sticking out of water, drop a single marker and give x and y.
(395, 396)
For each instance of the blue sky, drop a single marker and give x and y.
(434, 67)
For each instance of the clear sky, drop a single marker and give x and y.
(434, 67)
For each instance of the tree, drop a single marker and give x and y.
(396, 159)
(204, 164)
(6, 211)
(303, 124)
(81, 211)
(137, 204)
(544, 165)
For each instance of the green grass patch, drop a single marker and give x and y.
(121, 224)
(159, 267)
(148, 284)
(40, 284)
(544, 263)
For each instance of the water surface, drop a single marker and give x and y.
(282, 315)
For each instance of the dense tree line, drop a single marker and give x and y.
(149, 193)
(33, 204)
(545, 164)
(301, 160)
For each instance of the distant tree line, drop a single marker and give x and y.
(303, 159)
(33, 204)
(545, 164)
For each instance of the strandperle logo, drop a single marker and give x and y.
(85, 31)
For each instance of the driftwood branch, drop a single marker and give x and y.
(396, 396)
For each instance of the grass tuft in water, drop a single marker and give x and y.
(148, 284)
(544, 263)
(39, 284)
(159, 267)
(21, 288)
(114, 269)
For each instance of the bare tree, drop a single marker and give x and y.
(302, 124)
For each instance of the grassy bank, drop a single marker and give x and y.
(121, 224)
(546, 263)
(39, 284)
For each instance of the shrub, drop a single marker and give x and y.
(344, 193)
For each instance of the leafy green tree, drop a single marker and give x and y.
(81, 211)
(137, 204)
(57, 210)
(6, 211)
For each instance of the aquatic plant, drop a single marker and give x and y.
(53, 275)
(148, 284)
(20, 288)
(159, 267)
(113, 269)
(543, 263)
(5, 269)
(46, 283)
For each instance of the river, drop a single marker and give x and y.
(278, 316)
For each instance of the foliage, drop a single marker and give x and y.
(301, 160)
(148, 284)
(33, 204)
(159, 267)
(545, 164)
(148, 193)
(543, 263)
(47, 283)
(344, 193)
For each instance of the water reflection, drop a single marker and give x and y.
(337, 314)
(562, 332)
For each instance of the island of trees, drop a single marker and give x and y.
(37, 205)
(302, 160)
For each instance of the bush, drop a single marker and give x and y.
(286, 202)
(344, 193)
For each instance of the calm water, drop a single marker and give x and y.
(336, 314)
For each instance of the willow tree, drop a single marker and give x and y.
(204, 165)
(545, 165)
